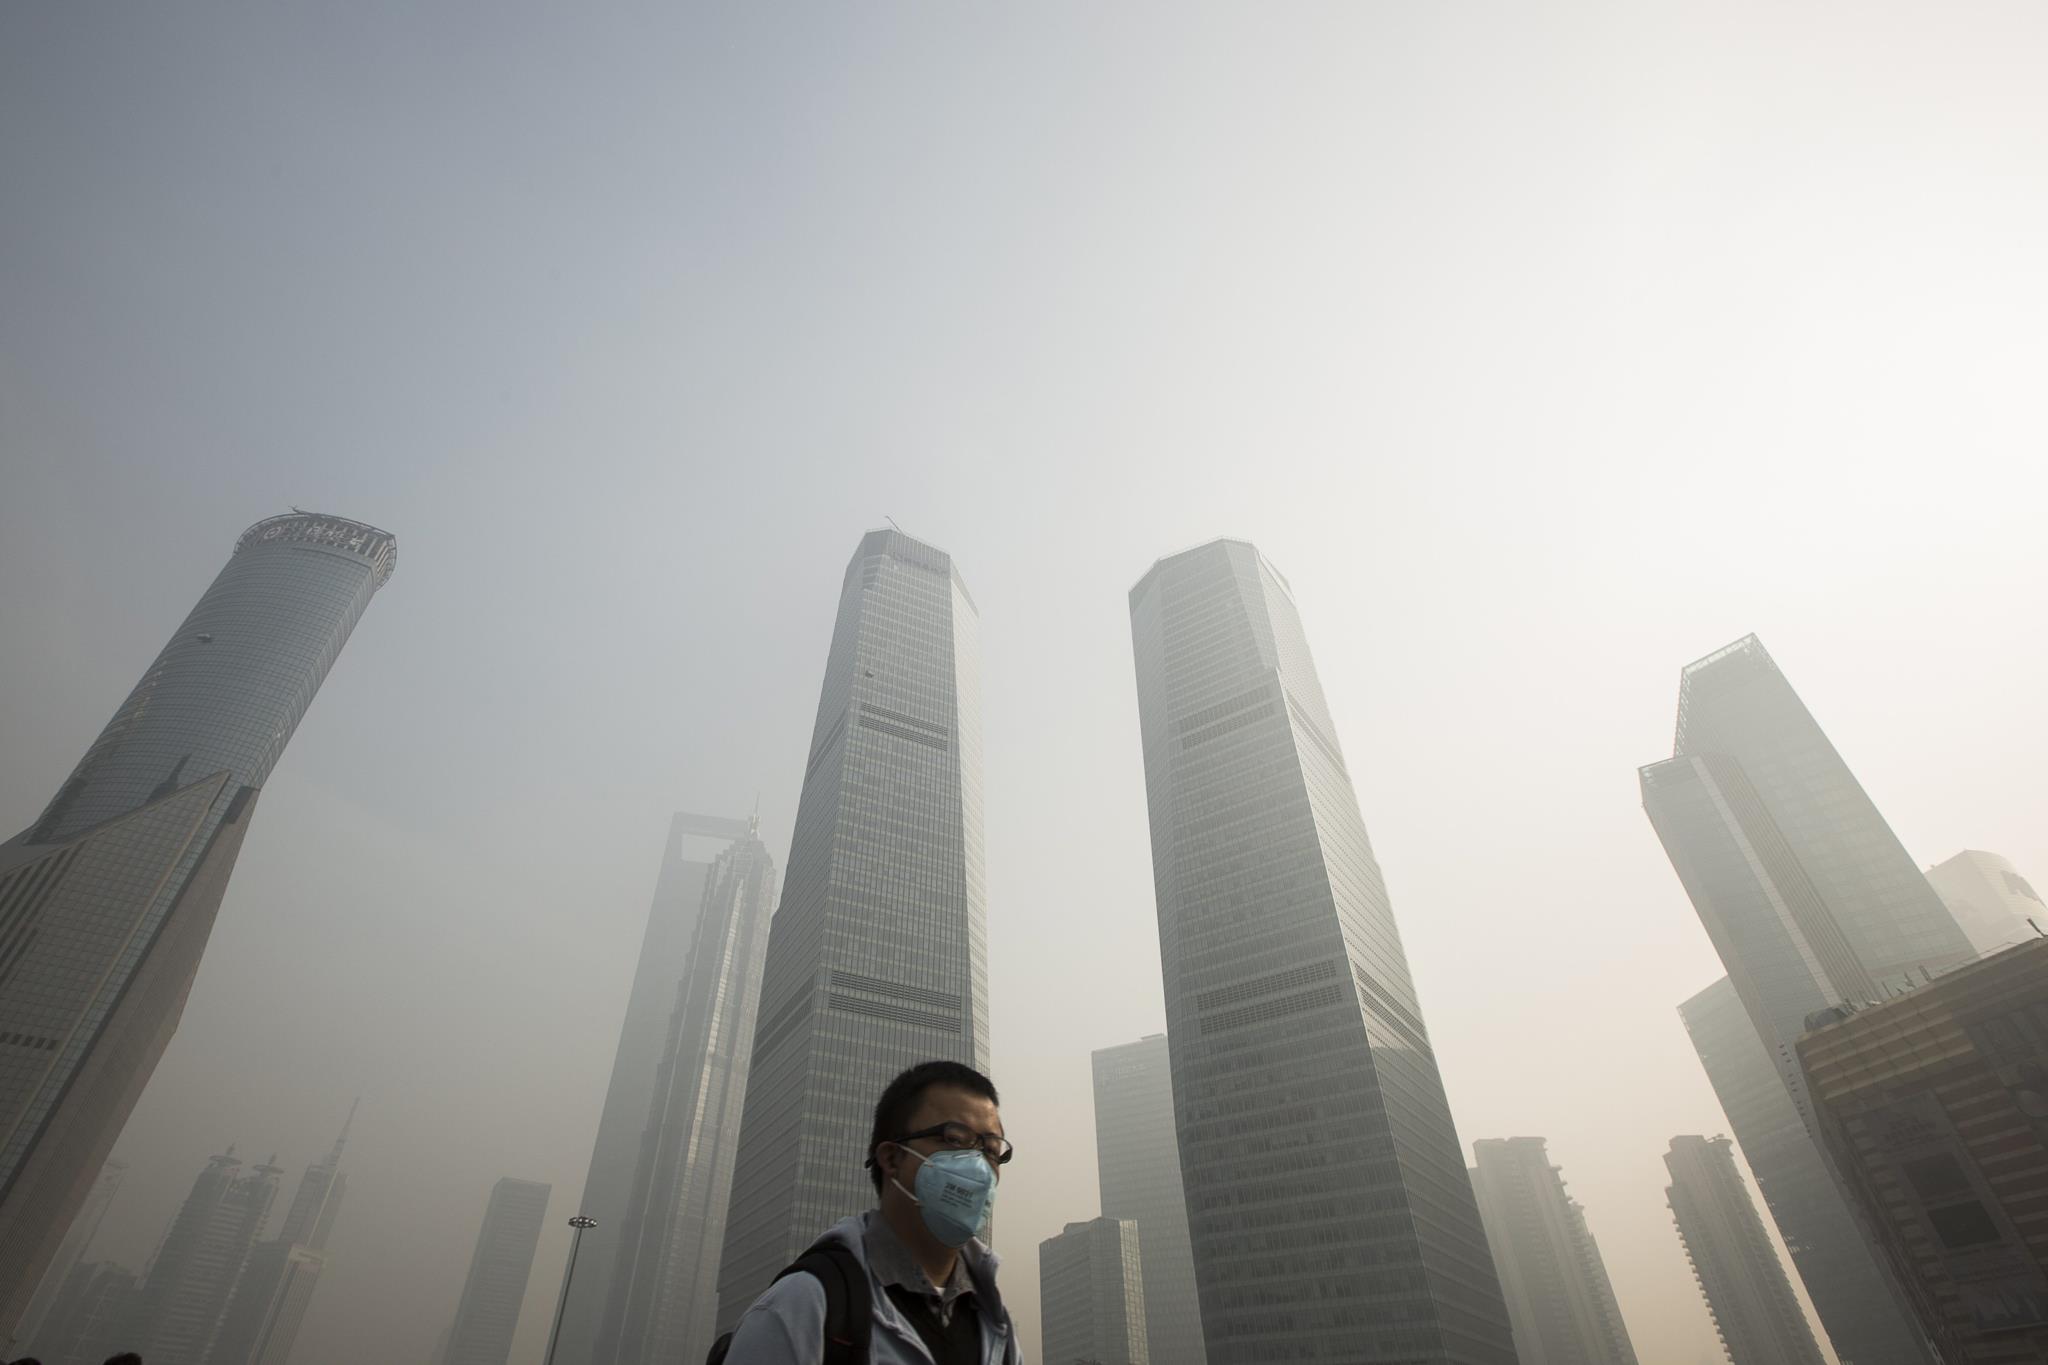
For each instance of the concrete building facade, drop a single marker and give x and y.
(1748, 1296)
(1559, 1296)
(1137, 1162)
(1092, 1296)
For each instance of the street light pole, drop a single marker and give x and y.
(582, 1223)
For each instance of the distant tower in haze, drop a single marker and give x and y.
(1289, 1004)
(496, 1287)
(664, 1286)
(1989, 898)
(71, 1252)
(1754, 1311)
(1559, 1297)
(878, 956)
(1091, 1297)
(186, 1291)
(107, 901)
(1138, 1165)
(665, 958)
(1810, 900)
(276, 1284)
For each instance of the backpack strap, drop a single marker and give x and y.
(849, 1304)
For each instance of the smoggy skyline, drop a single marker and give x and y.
(1543, 353)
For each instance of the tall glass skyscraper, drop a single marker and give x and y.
(644, 1038)
(1810, 900)
(107, 901)
(1328, 1202)
(185, 1294)
(878, 956)
(1137, 1163)
(663, 1299)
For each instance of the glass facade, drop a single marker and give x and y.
(629, 1101)
(106, 902)
(1809, 900)
(496, 1288)
(1329, 1208)
(1559, 1298)
(1747, 1294)
(878, 954)
(1091, 1296)
(662, 1303)
(186, 1289)
(1138, 1163)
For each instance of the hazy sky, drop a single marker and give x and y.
(1543, 348)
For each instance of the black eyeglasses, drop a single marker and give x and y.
(961, 1138)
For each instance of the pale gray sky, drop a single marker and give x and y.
(1544, 348)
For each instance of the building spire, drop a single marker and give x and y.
(334, 1157)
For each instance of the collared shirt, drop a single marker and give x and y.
(893, 1266)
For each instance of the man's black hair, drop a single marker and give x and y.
(900, 1101)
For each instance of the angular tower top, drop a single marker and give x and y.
(380, 548)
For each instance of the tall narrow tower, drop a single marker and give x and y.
(1739, 1274)
(1810, 900)
(878, 957)
(488, 1311)
(644, 1037)
(663, 1300)
(186, 1292)
(1138, 1169)
(107, 901)
(277, 1280)
(1328, 1203)
(1559, 1297)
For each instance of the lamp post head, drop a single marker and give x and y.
(582, 1221)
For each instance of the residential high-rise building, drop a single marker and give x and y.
(664, 1291)
(1137, 1162)
(488, 1312)
(878, 956)
(107, 901)
(644, 1036)
(1091, 1296)
(186, 1290)
(1810, 900)
(1989, 898)
(1329, 1208)
(1754, 1311)
(276, 1285)
(1935, 1105)
(1559, 1298)
(71, 1251)
(1830, 1251)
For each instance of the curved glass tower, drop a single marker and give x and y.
(107, 901)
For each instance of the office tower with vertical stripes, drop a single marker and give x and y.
(1810, 900)
(1739, 1274)
(1091, 1296)
(663, 1299)
(186, 1289)
(629, 1100)
(878, 955)
(107, 901)
(1329, 1208)
(1137, 1163)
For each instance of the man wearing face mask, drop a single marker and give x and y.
(909, 1282)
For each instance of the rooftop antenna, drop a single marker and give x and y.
(892, 523)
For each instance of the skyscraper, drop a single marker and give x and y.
(276, 1284)
(644, 1036)
(1559, 1297)
(1747, 1294)
(107, 901)
(1989, 898)
(1810, 900)
(488, 1311)
(71, 1252)
(663, 1303)
(1329, 1207)
(1137, 1161)
(186, 1289)
(1091, 1296)
(878, 956)
(1935, 1104)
